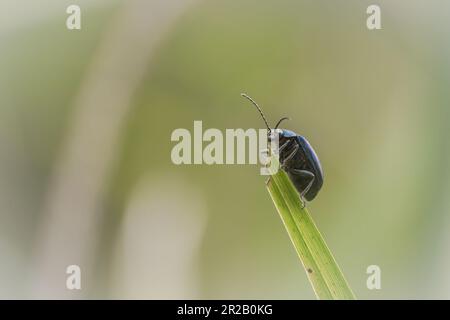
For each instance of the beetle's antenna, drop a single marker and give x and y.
(281, 120)
(259, 109)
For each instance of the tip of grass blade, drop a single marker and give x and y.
(321, 268)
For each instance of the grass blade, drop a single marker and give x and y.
(323, 272)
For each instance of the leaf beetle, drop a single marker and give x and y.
(297, 158)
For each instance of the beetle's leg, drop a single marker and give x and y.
(308, 186)
(305, 174)
(293, 152)
(290, 156)
(284, 145)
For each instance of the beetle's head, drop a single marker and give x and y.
(274, 133)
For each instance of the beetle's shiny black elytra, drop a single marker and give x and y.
(297, 158)
(301, 163)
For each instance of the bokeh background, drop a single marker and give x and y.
(85, 124)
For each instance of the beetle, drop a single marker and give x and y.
(297, 158)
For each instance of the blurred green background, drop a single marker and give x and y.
(85, 123)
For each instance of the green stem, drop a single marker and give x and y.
(323, 272)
